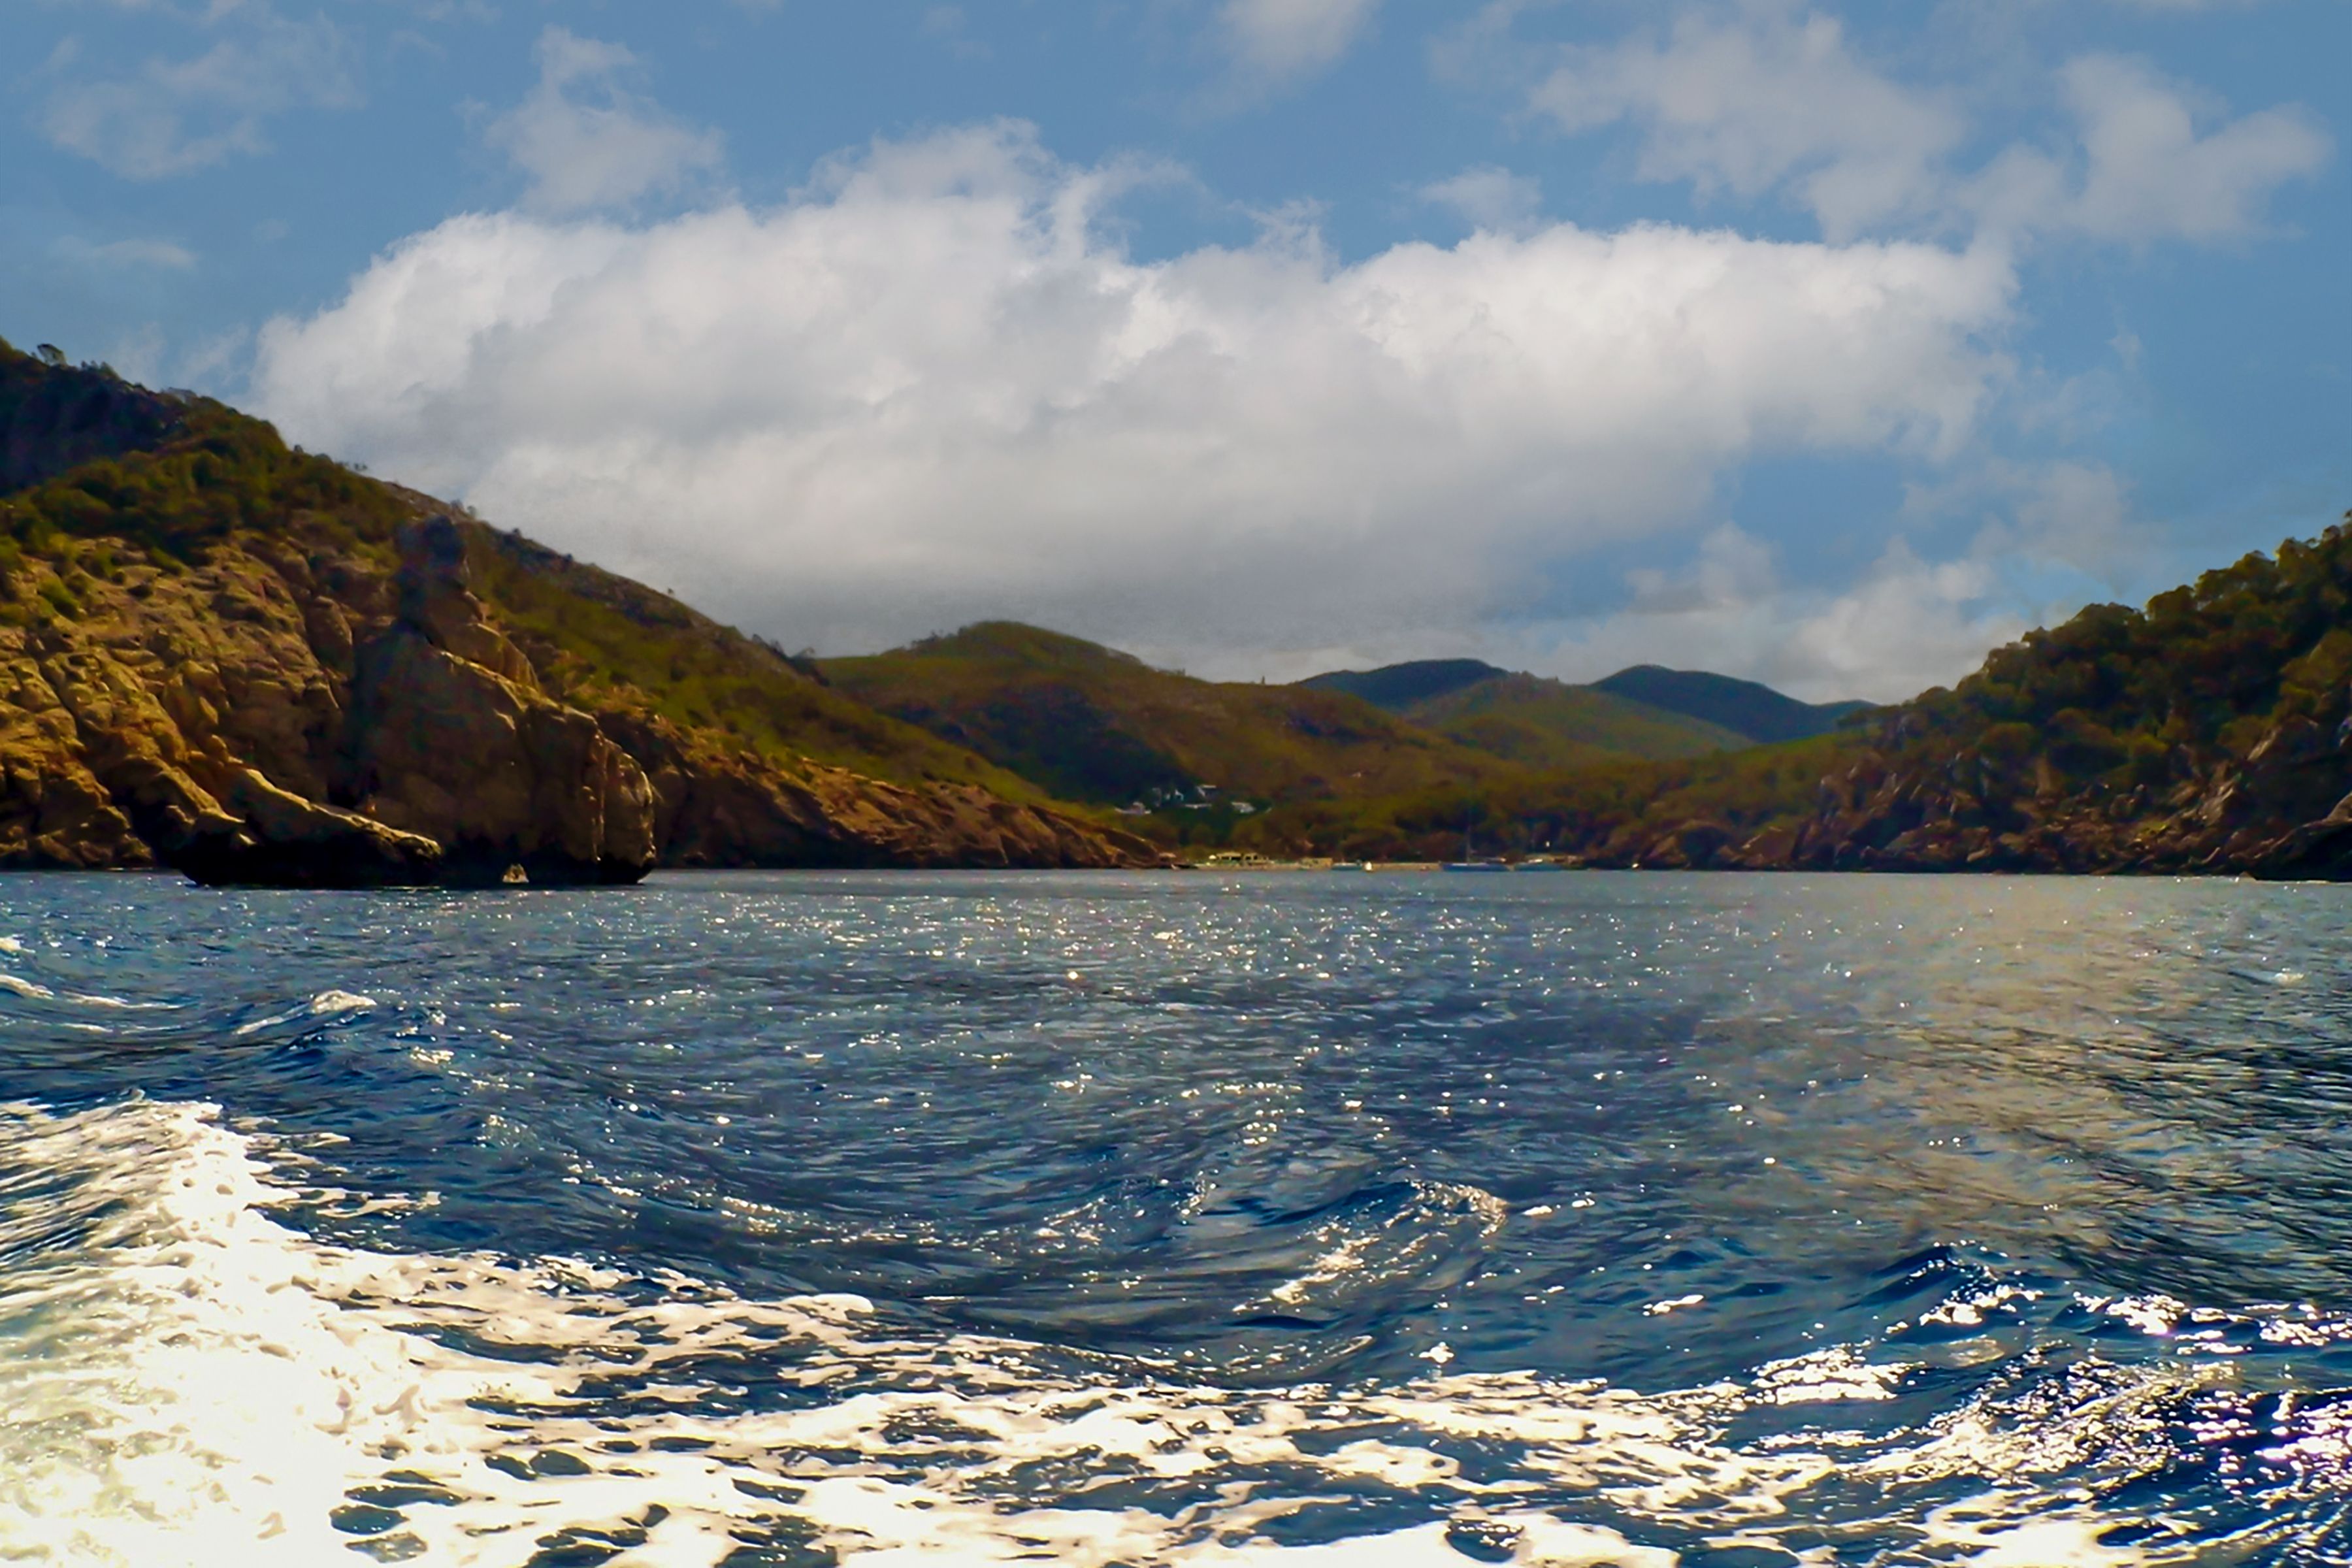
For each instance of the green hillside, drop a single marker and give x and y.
(2209, 732)
(1397, 687)
(209, 474)
(1541, 723)
(1088, 724)
(602, 639)
(1528, 720)
(1748, 708)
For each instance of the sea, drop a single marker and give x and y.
(1294, 1220)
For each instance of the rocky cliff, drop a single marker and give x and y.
(223, 656)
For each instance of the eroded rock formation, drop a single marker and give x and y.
(308, 715)
(449, 736)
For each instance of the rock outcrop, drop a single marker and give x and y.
(449, 737)
(273, 838)
(307, 713)
(228, 720)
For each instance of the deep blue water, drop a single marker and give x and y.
(1589, 1218)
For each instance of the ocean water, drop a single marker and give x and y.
(1274, 1220)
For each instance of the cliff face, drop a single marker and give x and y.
(245, 722)
(219, 656)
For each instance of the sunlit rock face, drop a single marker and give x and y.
(224, 654)
(202, 720)
(451, 737)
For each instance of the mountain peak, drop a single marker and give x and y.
(1395, 685)
(1019, 642)
(1748, 707)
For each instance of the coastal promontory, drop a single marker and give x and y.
(224, 655)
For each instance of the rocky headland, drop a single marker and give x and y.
(223, 656)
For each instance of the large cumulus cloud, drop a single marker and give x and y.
(932, 388)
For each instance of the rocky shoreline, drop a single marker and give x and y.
(2284, 812)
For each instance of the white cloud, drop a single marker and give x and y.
(2065, 512)
(1293, 38)
(2044, 538)
(585, 142)
(160, 253)
(930, 390)
(1909, 624)
(1754, 101)
(2149, 175)
(172, 117)
(1905, 624)
(1758, 100)
(2140, 169)
(1489, 198)
(949, 28)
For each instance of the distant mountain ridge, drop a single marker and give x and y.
(1646, 712)
(1086, 722)
(1397, 687)
(1746, 707)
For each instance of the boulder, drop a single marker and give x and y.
(281, 840)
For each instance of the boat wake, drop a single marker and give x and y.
(192, 1378)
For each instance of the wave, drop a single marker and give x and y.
(189, 1377)
(325, 1005)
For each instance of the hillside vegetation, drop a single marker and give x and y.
(1754, 712)
(1088, 724)
(1085, 722)
(223, 653)
(1397, 687)
(1537, 722)
(2209, 732)
(604, 641)
(1550, 724)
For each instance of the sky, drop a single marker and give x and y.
(1827, 345)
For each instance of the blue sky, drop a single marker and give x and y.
(1830, 345)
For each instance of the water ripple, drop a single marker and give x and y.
(797, 1219)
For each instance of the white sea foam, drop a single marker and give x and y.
(326, 1003)
(11, 945)
(32, 991)
(183, 1378)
